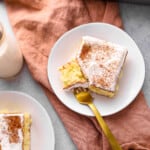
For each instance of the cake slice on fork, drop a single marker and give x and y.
(72, 76)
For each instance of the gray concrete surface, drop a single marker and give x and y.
(136, 20)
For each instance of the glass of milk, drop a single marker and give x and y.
(11, 59)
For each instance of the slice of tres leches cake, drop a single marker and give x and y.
(72, 76)
(15, 131)
(101, 63)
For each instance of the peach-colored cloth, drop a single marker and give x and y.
(37, 25)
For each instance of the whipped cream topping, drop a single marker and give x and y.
(72, 87)
(11, 134)
(101, 62)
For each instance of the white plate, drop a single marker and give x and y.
(130, 83)
(42, 134)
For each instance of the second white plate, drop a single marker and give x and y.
(133, 73)
(42, 134)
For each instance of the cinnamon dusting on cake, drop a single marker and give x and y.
(14, 123)
(85, 51)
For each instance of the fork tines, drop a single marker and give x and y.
(80, 89)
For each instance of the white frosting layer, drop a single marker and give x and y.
(4, 134)
(101, 62)
(72, 87)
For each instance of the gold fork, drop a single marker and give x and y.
(84, 97)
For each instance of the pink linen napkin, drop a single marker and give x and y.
(37, 25)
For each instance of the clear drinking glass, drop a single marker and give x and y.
(11, 59)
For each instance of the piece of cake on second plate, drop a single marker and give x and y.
(101, 63)
(15, 131)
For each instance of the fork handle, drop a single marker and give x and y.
(113, 142)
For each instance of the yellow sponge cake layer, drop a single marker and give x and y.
(26, 131)
(101, 91)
